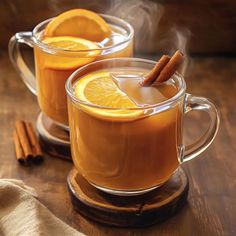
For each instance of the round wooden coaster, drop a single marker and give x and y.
(54, 140)
(137, 211)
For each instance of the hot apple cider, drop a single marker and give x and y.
(73, 39)
(119, 140)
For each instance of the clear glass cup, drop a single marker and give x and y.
(53, 66)
(131, 157)
(51, 63)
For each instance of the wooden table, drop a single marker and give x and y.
(211, 207)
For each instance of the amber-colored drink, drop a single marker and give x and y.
(54, 67)
(133, 148)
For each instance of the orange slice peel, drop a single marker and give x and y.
(79, 23)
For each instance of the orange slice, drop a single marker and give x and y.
(80, 52)
(79, 23)
(98, 88)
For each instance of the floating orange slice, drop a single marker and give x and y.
(79, 23)
(98, 88)
(80, 52)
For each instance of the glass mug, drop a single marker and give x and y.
(51, 64)
(133, 157)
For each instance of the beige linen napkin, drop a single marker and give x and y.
(21, 214)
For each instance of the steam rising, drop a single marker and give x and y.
(180, 37)
(145, 17)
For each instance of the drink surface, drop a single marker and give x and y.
(129, 148)
(52, 70)
(116, 89)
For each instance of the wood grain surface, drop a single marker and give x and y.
(122, 211)
(211, 207)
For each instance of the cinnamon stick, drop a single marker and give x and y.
(155, 72)
(26, 144)
(18, 149)
(24, 140)
(164, 69)
(176, 60)
(36, 149)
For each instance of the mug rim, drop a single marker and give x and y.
(55, 49)
(161, 105)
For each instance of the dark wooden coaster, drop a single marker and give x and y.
(54, 140)
(136, 211)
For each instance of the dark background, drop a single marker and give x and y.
(207, 29)
(209, 26)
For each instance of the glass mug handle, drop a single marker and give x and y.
(193, 103)
(18, 61)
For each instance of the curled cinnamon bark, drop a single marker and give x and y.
(164, 69)
(18, 149)
(171, 67)
(36, 149)
(155, 72)
(27, 147)
(24, 141)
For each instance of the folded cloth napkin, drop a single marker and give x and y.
(22, 214)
